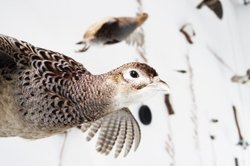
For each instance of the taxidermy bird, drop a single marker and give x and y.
(113, 30)
(44, 93)
(243, 79)
(188, 31)
(214, 5)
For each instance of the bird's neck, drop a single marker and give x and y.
(94, 97)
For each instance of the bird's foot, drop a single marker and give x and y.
(85, 48)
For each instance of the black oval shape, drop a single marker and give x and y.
(134, 74)
(145, 115)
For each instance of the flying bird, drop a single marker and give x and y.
(214, 5)
(243, 79)
(44, 93)
(188, 31)
(113, 30)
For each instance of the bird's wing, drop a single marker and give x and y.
(105, 30)
(119, 129)
(13, 53)
(217, 8)
(23, 55)
(136, 38)
(26, 56)
(43, 80)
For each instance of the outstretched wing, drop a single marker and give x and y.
(119, 129)
(109, 25)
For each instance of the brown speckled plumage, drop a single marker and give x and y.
(44, 93)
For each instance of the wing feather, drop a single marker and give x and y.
(28, 56)
(118, 130)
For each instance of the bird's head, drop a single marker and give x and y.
(141, 18)
(136, 82)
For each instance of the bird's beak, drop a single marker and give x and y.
(160, 85)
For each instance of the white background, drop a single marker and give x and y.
(168, 140)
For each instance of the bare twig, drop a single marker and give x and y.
(62, 148)
(169, 105)
(170, 147)
(241, 142)
(236, 162)
(220, 60)
(141, 48)
(194, 111)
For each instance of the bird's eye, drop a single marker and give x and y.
(134, 74)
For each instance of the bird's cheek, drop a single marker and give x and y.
(138, 86)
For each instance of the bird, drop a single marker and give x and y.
(112, 30)
(214, 5)
(188, 31)
(243, 79)
(44, 93)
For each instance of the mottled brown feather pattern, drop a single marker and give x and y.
(48, 87)
(44, 93)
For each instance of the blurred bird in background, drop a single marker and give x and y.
(113, 30)
(242, 79)
(44, 93)
(188, 31)
(214, 5)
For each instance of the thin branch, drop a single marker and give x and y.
(141, 48)
(236, 162)
(194, 110)
(62, 148)
(241, 142)
(220, 60)
(237, 123)
(168, 104)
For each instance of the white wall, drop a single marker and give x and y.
(180, 139)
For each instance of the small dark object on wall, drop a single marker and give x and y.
(145, 115)
(212, 137)
(214, 120)
(182, 71)
(236, 161)
(168, 104)
(214, 5)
